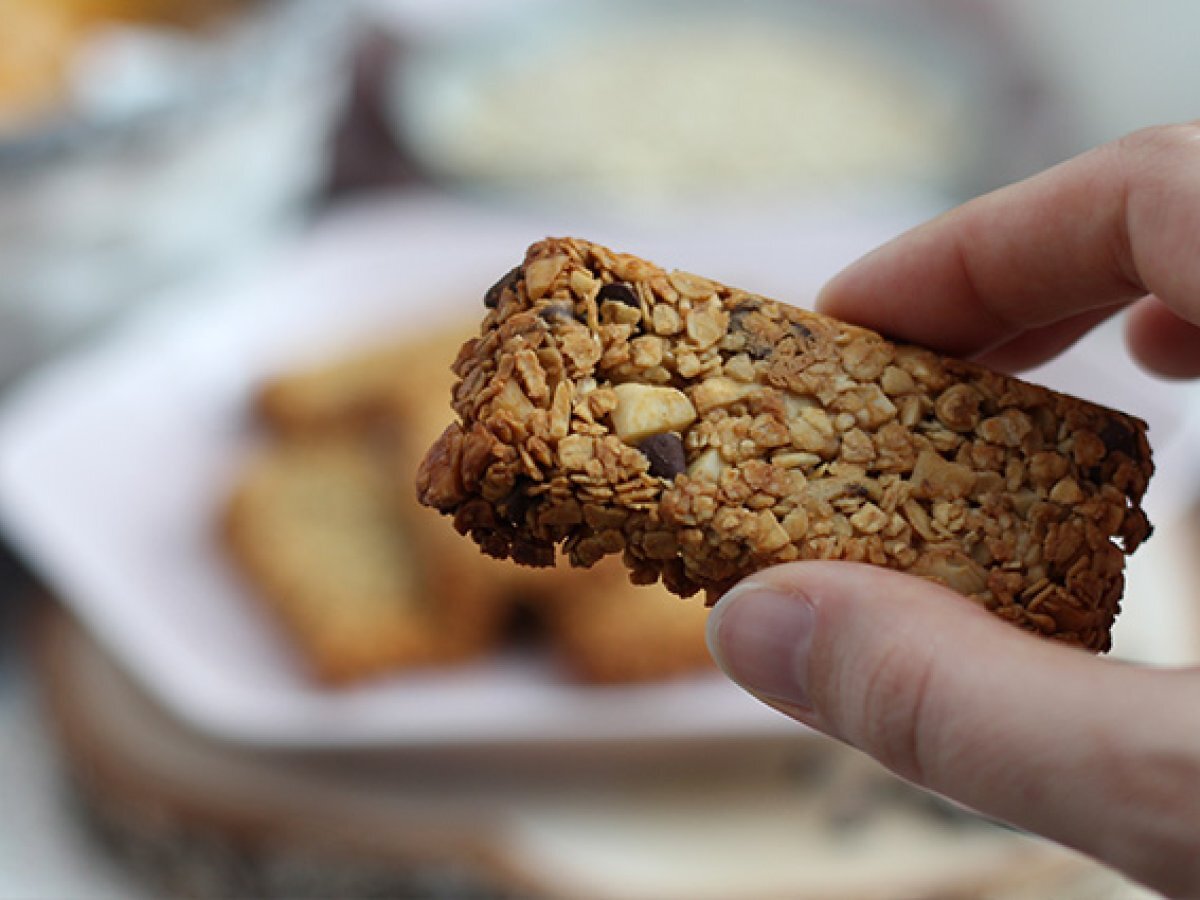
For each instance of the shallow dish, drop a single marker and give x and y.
(112, 462)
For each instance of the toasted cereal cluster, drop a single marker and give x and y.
(610, 407)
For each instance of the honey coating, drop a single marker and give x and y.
(703, 433)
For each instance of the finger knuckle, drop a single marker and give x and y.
(1162, 143)
(888, 716)
(1158, 780)
(1155, 169)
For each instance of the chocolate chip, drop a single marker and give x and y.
(539, 556)
(737, 320)
(665, 452)
(1118, 438)
(560, 311)
(758, 347)
(621, 293)
(801, 331)
(492, 298)
(517, 505)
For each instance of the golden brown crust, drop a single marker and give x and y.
(702, 432)
(318, 528)
(365, 387)
(328, 510)
(344, 394)
(607, 631)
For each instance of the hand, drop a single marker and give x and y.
(1098, 755)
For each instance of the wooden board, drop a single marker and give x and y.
(792, 819)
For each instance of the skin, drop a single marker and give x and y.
(1095, 754)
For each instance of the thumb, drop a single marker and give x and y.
(1101, 756)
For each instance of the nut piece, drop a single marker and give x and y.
(937, 478)
(708, 466)
(643, 410)
(953, 568)
(958, 407)
(895, 381)
(796, 460)
(707, 324)
(694, 287)
(540, 275)
(1007, 429)
(720, 391)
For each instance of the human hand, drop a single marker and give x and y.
(1095, 754)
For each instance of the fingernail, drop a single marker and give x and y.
(761, 637)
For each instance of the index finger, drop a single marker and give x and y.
(1103, 229)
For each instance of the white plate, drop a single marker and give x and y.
(111, 463)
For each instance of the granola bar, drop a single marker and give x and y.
(345, 563)
(606, 631)
(323, 526)
(703, 432)
(365, 387)
(346, 394)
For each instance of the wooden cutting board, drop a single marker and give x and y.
(799, 819)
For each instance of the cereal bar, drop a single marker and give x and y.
(611, 407)
(344, 562)
(606, 631)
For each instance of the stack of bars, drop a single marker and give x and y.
(324, 525)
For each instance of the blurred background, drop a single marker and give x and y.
(228, 229)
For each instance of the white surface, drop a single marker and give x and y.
(112, 462)
(1116, 66)
(44, 850)
(760, 836)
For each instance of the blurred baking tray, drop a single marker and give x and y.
(112, 462)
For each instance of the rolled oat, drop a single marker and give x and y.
(704, 433)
